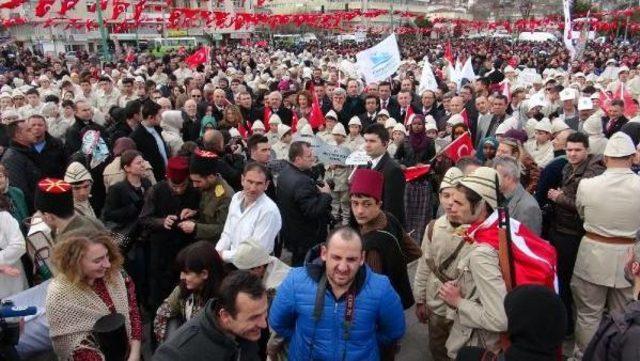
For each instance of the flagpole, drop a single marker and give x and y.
(103, 32)
(445, 148)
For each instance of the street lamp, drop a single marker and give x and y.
(103, 32)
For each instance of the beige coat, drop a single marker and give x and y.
(113, 173)
(281, 149)
(438, 249)
(480, 317)
(609, 205)
(355, 143)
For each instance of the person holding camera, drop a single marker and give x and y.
(166, 204)
(305, 207)
(90, 285)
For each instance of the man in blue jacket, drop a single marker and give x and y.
(336, 308)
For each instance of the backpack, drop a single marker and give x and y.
(608, 342)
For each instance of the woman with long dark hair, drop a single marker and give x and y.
(201, 273)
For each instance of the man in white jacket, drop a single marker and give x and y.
(252, 214)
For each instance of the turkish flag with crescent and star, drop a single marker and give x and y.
(43, 7)
(201, 56)
(461, 147)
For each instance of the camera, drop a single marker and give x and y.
(10, 328)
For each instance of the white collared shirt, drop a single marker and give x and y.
(375, 161)
(260, 221)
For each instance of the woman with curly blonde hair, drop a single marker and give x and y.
(89, 284)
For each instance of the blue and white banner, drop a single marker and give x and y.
(381, 61)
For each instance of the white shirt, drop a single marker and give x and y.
(375, 161)
(260, 221)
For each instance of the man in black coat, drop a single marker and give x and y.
(305, 207)
(615, 119)
(84, 122)
(19, 161)
(228, 327)
(368, 117)
(49, 153)
(275, 103)
(386, 101)
(149, 141)
(376, 139)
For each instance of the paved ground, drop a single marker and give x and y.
(415, 345)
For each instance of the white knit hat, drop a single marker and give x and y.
(503, 128)
(483, 181)
(338, 129)
(250, 254)
(76, 173)
(558, 125)
(593, 126)
(282, 130)
(383, 112)
(451, 178)
(619, 145)
(306, 130)
(257, 125)
(455, 119)
(430, 126)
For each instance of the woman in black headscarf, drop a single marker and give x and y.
(537, 321)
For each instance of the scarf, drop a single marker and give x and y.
(94, 146)
(419, 141)
(207, 121)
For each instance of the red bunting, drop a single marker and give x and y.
(67, 5)
(119, 7)
(11, 4)
(43, 7)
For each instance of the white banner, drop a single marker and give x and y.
(567, 37)
(381, 61)
(327, 154)
(427, 79)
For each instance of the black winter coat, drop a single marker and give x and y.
(148, 146)
(305, 210)
(394, 185)
(22, 170)
(124, 203)
(51, 160)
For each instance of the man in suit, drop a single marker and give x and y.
(499, 110)
(321, 92)
(148, 140)
(368, 117)
(275, 103)
(615, 118)
(484, 119)
(386, 102)
(353, 103)
(405, 109)
(376, 140)
(429, 106)
(522, 205)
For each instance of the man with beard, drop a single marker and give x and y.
(166, 204)
(337, 306)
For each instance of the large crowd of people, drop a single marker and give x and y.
(194, 199)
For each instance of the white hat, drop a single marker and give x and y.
(537, 100)
(430, 126)
(306, 130)
(509, 69)
(619, 145)
(593, 126)
(17, 93)
(76, 173)
(283, 129)
(355, 121)
(451, 178)
(302, 122)
(567, 94)
(455, 119)
(338, 129)
(544, 125)
(6, 89)
(331, 114)
(5, 95)
(585, 103)
(275, 119)
(234, 133)
(610, 61)
(383, 112)
(502, 128)
(400, 128)
(43, 78)
(139, 79)
(623, 68)
(595, 96)
(429, 119)
(250, 254)
(483, 182)
(558, 125)
(257, 125)
(579, 75)
(10, 116)
(390, 123)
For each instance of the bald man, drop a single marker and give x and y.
(233, 163)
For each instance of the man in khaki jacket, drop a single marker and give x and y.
(442, 248)
(608, 204)
(476, 297)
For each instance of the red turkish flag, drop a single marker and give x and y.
(316, 118)
(119, 7)
(267, 115)
(465, 117)
(67, 5)
(407, 115)
(139, 7)
(43, 7)
(11, 4)
(201, 56)
(630, 107)
(461, 147)
(413, 173)
(448, 54)
(294, 122)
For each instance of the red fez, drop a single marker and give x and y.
(178, 169)
(367, 182)
(54, 196)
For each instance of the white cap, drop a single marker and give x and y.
(250, 254)
(331, 114)
(338, 129)
(509, 69)
(302, 122)
(430, 126)
(400, 128)
(502, 128)
(282, 130)
(537, 100)
(306, 130)
(429, 119)
(567, 94)
(383, 112)
(595, 96)
(234, 133)
(455, 119)
(17, 93)
(390, 123)
(6, 89)
(544, 125)
(257, 125)
(623, 68)
(619, 145)
(558, 125)
(593, 126)
(275, 119)
(76, 173)
(579, 75)
(5, 95)
(610, 61)
(585, 103)
(355, 121)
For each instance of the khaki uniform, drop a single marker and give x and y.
(340, 207)
(426, 284)
(480, 317)
(273, 137)
(282, 150)
(214, 207)
(355, 143)
(609, 205)
(103, 102)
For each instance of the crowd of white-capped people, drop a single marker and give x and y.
(171, 194)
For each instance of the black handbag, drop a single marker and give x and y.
(110, 335)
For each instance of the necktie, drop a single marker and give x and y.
(369, 164)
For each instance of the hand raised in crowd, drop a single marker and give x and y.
(187, 226)
(450, 294)
(170, 221)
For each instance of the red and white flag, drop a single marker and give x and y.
(415, 172)
(201, 56)
(630, 107)
(534, 259)
(461, 147)
(505, 89)
(316, 118)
